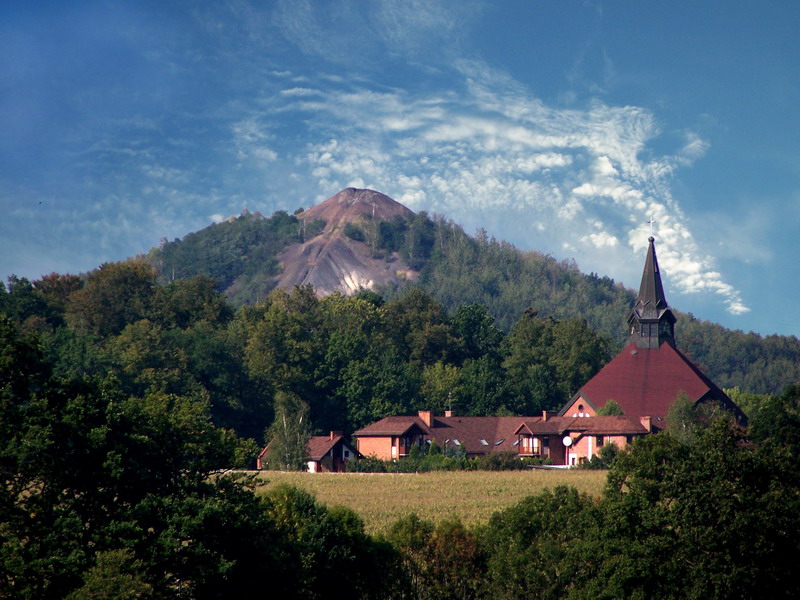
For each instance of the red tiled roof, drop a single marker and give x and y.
(319, 445)
(477, 435)
(392, 426)
(646, 381)
(613, 425)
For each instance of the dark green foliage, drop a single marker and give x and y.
(433, 458)
(354, 232)
(705, 520)
(330, 552)
(115, 295)
(528, 545)
(549, 360)
(392, 234)
(604, 459)
(100, 488)
(117, 575)
(243, 247)
(441, 561)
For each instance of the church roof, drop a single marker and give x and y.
(651, 298)
(646, 381)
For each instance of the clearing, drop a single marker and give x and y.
(472, 496)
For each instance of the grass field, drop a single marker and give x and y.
(473, 496)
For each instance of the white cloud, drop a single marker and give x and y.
(496, 152)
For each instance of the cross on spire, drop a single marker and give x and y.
(651, 222)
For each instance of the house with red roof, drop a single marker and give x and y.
(324, 454)
(393, 438)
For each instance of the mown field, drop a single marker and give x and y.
(382, 498)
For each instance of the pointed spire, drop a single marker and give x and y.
(651, 321)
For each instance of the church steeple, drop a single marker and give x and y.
(651, 322)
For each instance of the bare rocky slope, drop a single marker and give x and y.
(333, 262)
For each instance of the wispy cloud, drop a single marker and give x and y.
(587, 176)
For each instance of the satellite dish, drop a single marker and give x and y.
(567, 441)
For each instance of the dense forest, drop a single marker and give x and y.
(115, 457)
(348, 360)
(457, 269)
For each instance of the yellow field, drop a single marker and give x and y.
(382, 498)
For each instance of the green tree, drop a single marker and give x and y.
(117, 575)
(331, 553)
(473, 324)
(678, 520)
(184, 302)
(289, 433)
(144, 486)
(439, 386)
(286, 344)
(528, 544)
(115, 295)
(610, 409)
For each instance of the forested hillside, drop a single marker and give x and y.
(458, 269)
(350, 360)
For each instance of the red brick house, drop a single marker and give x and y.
(393, 438)
(573, 440)
(325, 454)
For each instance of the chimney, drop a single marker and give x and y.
(426, 416)
(546, 414)
(448, 413)
(334, 434)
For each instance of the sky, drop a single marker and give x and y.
(575, 128)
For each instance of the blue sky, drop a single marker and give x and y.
(557, 125)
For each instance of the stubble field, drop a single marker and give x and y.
(473, 496)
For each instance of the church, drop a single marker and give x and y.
(650, 372)
(644, 380)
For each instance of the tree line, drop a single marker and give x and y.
(457, 269)
(346, 361)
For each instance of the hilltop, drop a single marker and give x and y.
(332, 261)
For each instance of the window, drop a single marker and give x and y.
(347, 453)
(546, 442)
(599, 440)
(456, 442)
(500, 441)
(484, 443)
